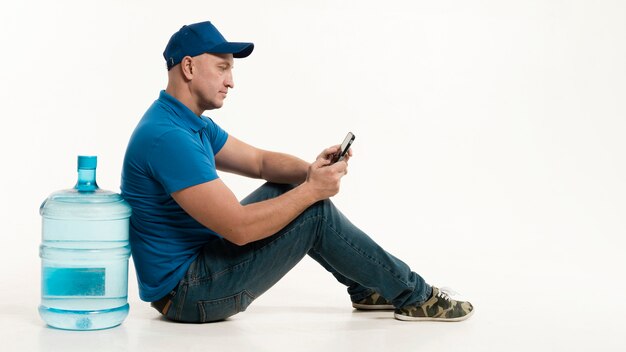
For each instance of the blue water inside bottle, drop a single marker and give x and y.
(84, 255)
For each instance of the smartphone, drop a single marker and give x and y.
(345, 146)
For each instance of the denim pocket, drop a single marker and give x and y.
(222, 308)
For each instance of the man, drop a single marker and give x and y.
(202, 256)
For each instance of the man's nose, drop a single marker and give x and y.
(229, 82)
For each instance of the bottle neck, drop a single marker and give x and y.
(86, 180)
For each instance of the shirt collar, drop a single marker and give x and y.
(187, 116)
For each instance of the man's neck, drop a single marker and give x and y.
(182, 95)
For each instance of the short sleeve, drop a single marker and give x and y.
(180, 160)
(216, 135)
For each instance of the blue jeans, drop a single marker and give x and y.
(226, 278)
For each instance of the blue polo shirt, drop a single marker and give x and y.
(170, 149)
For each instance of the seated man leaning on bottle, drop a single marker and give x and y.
(200, 254)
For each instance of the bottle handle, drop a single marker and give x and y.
(42, 205)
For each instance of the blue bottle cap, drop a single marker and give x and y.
(87, 162)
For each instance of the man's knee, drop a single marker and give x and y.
(324, 209)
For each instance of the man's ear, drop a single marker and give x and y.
(186, 67)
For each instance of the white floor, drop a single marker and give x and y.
(519, 307)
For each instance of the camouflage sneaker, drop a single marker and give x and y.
(373, 302)
(439, 307)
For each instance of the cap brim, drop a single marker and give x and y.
(239, 50)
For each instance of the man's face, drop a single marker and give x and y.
(212, 77)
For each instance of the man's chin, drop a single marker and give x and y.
(216, 105)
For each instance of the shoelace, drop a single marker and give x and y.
(447, 293)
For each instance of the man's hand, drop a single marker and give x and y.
(324, 178)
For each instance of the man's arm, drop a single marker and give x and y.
(215, 206)
(243, 159)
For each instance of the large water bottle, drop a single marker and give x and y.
(84, 255)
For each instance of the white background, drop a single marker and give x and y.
(489, 151)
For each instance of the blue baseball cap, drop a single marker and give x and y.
(199, 38)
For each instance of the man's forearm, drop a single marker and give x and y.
(215, 206)
(283, 168)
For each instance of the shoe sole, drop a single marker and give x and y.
(409, 318)
(373, 306)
